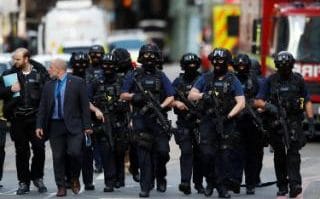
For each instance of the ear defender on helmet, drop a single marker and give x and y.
(284, 59)
(189, 58)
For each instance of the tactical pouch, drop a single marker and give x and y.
(24, 112)
(145, 140)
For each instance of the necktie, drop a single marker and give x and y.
(59, 99)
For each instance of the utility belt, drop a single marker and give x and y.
(144, 140)
(24, 112)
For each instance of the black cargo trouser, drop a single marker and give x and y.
(153, 158)
(23, 133)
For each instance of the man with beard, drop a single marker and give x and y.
(20, 110)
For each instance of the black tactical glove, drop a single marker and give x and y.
(271, 108)
(207, 98)
(122, 106)
(311, 128)
(137, 99)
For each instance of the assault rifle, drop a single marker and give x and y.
(102, 102)
(154, 106)
(282, 116)
(193, 109)
(214, 109)
(256, 119)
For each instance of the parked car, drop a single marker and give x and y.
(132, 40)
(5, 62)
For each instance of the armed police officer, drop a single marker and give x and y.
(150, 92)
(21, 102)
(223, 99)
(111, 136)
(95, 73)
(249, 124)
(125, 66)
(80, 62)
(285, 97)
(186, 135)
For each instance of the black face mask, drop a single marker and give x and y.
(79, 72)
(284, 72)
(149, 67)
(220, 69)
(191, 72)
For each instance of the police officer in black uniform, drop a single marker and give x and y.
(80, 62)
(152, 141)
(94, 73)
(223, 98)
(124, 66)
(285, 97)
(248, 154)
(112, 141)
(255, 70)
(21, 102)
(187, 123)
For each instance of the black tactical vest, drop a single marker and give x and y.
(31, 86)
(110, 89)
(185, 87)
(290, 93)
(250, 86)
(222, 90)
(151, 82)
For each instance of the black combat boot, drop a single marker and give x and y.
(295, 191)
(223, 192)
(23, 188)
(199, 188)
(209, 190)
(185, 188)
(144, 194)
(283, 190)
(162, 185)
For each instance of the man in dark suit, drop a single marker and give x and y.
(64, 117)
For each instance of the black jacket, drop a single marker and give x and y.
(10, 103)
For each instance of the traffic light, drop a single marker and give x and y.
(126, 3)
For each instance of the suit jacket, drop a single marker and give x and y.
(75, 106)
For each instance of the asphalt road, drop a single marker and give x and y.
(310, 172)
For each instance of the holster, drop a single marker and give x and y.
(24, 112)
(145, 140)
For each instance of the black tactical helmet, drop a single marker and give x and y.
(284, 59)
(123, 59)
(79, 59)
(96, 49)
(255, 67)
(189, 58)
(109, 63)
(150, 54)
(244, 61)
(220, 54)
(220, 58)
